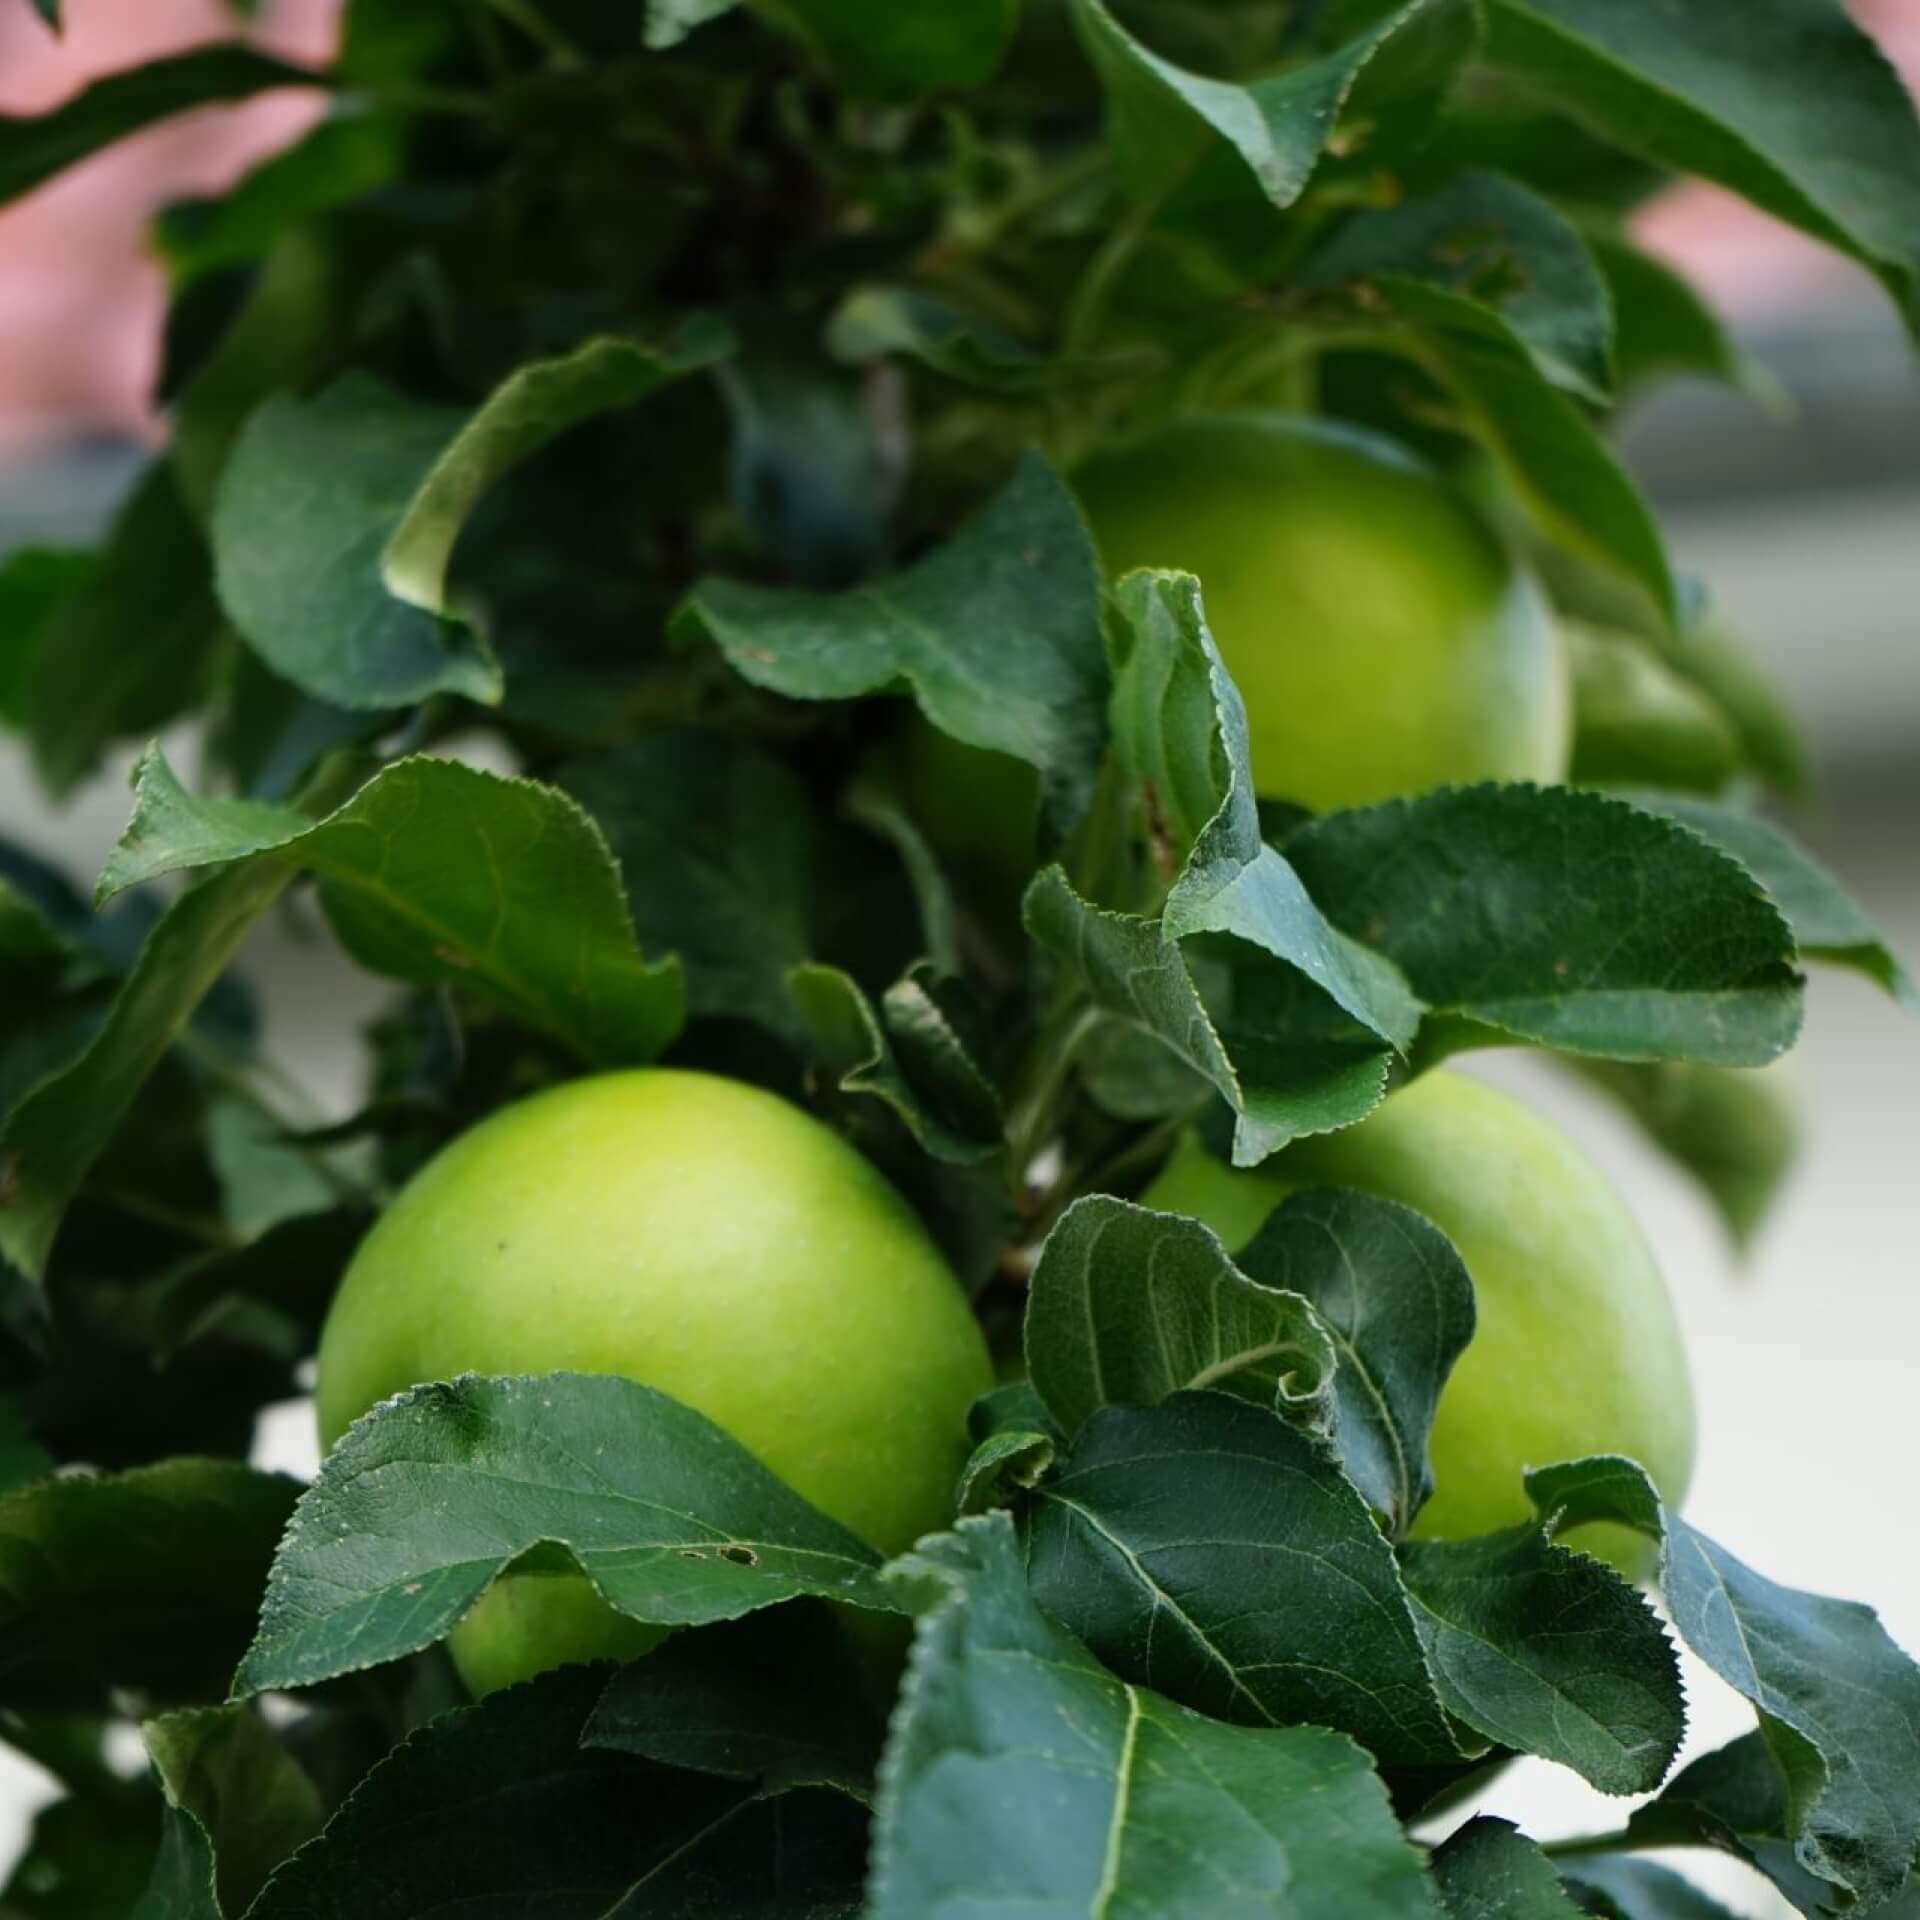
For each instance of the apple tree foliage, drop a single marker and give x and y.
(663, 395)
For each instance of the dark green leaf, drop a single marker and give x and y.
(32, 151)
(721, 853)
(438, 873)
(1550, 1652)
(779, 1699)
(908, 1052)
(36, 585)
(1283, 1076)
(77, 1102)
(22, 1458)
(48, 10)
(1737, 1130)
(1618, 1888)
(1488, 258)
(432, 1494)
(192, 1538)
(1395, 1296)
(1179, 699)
(1295, 1047)
(499, 1809)
(1021, 1776)
(879, 48)
(1839, 1702)
(1206, 148)
(1489, 1870)
(129, 650)
(1828, 922)
(1797, 111)
(1553, 454)
(336, 518)
(85, 1858)
(997, 633)
(798, 1856)
(237, 1805)
(348, 154)
(1736, 1798)
(1015, 1443)
(1567, 919)
(875, 322)
(1662, 327)
(296, 311)
(1210, 1549)
(1129, 1307)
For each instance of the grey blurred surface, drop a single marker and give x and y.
(1810, 536)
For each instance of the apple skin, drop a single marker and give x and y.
(1576, 1348)
(1381, 635)
(698, 1235)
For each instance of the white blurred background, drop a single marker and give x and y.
(1807, 529)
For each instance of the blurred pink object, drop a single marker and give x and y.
(1746, 263)
(81, 309)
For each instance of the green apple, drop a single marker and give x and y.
(695, 1234)
(1380, 633)
(1576, 1349)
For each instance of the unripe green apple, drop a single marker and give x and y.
(1381, 635)
(700, 1236)
(1576, 1349)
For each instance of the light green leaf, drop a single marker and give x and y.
(1549, 1652)
(1568, 919)
(1839, 1702)
(1490, 258)
(192, 1537)
(1798, 110)
(670, 21)
(1394, 1296)
(1738, 1130)
(1128, 1307)
(1828, 922)
(1637, 722)
(34, 150)
(997, 634)
(430, 1496)
(336, 517)
(1022, 1776)
(438, 873)
(1212, 1550)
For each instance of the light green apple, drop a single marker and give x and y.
(1576, 1349)
(700, 1236)
(1379, 631)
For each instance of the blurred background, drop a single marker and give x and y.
(1804, 520)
